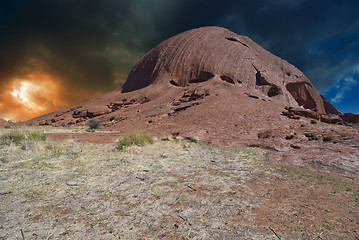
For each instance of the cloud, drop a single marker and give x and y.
(343, 86)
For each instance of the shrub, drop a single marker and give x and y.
(18, 136)
(94, 124)
(36, 135)
(136, 138)
(13, 136)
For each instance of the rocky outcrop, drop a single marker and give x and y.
(296, 113)
(4, 123)
(351, 118)
(207, 53)
(330, 109)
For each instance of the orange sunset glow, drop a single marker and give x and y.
(32, 95)
(24, 94)
(29, 97)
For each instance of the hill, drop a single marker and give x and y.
(226, 90)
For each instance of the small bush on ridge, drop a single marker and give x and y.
(94, 124)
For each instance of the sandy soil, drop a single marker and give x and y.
(173, 189)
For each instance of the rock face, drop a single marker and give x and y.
(225, 90)
(207, 53)
(351, 118)
(4, 123)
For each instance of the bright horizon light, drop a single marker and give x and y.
(35, 95)
(24, 94)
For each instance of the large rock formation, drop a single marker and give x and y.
(225, 90)
(207, 53)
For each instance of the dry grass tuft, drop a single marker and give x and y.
(139, 138)
(21, 136)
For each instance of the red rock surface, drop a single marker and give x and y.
(4, 123)
(226, 90)
(209, 53)
(351, 118)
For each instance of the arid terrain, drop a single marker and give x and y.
(224, 89)
(245, 148)
(171, 189)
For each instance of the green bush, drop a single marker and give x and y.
(136, 138)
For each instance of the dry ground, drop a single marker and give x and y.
(173, 189)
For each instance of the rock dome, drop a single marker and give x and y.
(225, 90)
(216, 53)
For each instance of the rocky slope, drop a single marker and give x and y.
(4, 123)
(226, 90)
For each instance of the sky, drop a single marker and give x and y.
(56, 54)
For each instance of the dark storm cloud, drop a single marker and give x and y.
(92, 45)
(69, 37)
